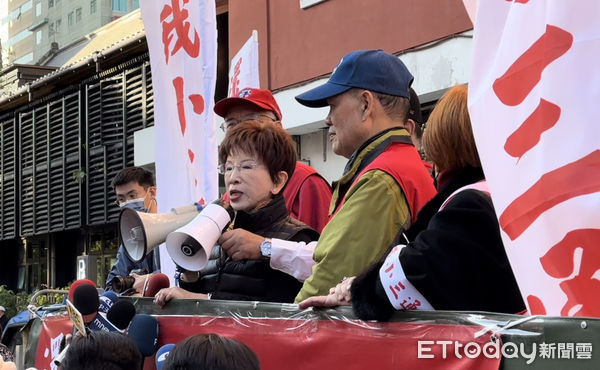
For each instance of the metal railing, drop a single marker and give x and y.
(34, 309)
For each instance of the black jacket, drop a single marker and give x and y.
(456, 258)
(255, 280)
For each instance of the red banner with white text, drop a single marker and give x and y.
(300, 344)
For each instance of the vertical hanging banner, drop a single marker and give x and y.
(243, 72)
(182, 40)
(533, 100)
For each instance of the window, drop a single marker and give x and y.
(93, 6)
(50, 3)
(70, 19)
(78, 15)
(51, 29)
(119, 5)
(33, 265)
(135, 4)
(38, 9)
(18, 37)
(38, 37)
(25, 59)
(57, 25)
(104, 245)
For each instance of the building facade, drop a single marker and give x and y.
(36, 29)
(63, 137)
(300, 42)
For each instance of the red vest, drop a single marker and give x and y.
(402, 162)
(301, 173)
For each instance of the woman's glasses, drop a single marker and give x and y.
(244, 167)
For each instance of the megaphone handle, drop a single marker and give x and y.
(228, 227)
(224, 257)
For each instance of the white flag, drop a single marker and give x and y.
(243, 72)
(182, 39)
(533, 99)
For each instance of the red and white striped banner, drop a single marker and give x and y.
(533, 97)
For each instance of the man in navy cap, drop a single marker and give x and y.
(384, 183)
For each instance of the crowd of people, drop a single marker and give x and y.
(409, 225)
(101, 350)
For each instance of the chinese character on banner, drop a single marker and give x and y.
(182, 40)
(532, 100)
(244, 67)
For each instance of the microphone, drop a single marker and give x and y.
(143, 330)
(120, 314)
(65, 347)
(107, 300)
(86, 301)
(61, 356)
(162, 354)
(101, 323)
(155, 283)
(77, 283)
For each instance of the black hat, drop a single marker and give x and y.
(414, 112)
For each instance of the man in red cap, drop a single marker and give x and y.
(307, 194)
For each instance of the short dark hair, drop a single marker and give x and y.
(101, 350)
(211, 351)
(414, 112)
(140, 175)
(270, 143)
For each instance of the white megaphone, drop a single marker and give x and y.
(142, 232)
(190, 246)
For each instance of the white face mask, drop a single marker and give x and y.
(138, 204)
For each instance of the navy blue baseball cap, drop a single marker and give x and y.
(373, 70)
(162, 354)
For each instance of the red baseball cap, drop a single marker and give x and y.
(263, 99)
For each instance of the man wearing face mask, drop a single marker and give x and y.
(135, 189)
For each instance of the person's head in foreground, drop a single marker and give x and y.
(256, 160)
(100, 350)
(211, 351)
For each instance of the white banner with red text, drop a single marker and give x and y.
(182, 40)
(533, 97)
(243, 72)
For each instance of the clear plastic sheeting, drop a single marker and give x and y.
(285, 337)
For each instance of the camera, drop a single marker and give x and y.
(122, 284)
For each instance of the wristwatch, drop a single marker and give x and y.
(265, 248)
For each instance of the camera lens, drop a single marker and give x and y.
(122, 283)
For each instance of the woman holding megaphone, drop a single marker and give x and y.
(256, 160)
